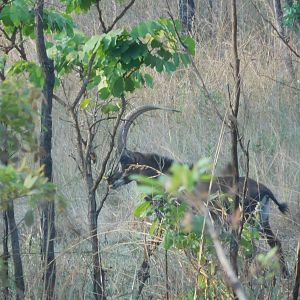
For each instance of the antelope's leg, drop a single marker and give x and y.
(270, 236)
(274, 242)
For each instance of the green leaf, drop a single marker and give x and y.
(30, 181)
(153, 227)
(156, 44)
(104, 93)
(108, 108)
(92, 44)
(85, 103)
(129, 85)
(36, 75)
(106, 41)
(159, 66)
(118, 87)
(140, 31)
(141, 209)
(168, 240)
(29, 218)
(197, 224)
(185, 59)
(189, 44)
(57, 22)
(169, 66)
(149, 80)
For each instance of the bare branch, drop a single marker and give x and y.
(234, 282)
(60, 101)
(101, 120)
(282, 37)
(79, 140)
(104, 28)
(297, 272)
(120, 16)
(85, 82)
(102, 202)
(111, 145)
(196, 70)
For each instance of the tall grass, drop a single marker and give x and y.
(269, 118)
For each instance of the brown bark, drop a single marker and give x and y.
(297, 274)
(98, 272)
(48, 214)
(187, 14)
(16, 255)
(234, 245)
(5, 256)
(10, 228)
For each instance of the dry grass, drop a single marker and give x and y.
(269, 117)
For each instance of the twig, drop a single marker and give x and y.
(60, 101)
(120, 15)
(85, 82)
(115, 21)
(196, 70)
(284, 40)
(102, 202)
(167, 274)
(297, 276)
(233, 280)
(111, 145)
(100, 17)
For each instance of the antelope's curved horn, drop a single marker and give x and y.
(129, 118)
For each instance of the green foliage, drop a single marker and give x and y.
(118, 56)
(78, 6)
(66, 52)
(185, 230)
(17, 13)
(182, 230)
(17, 134)
(56, 22)
(268, 258)
(291, 16)
(249, 234)
(141, 209)
(20, 14)
(22, 182)
(84, 103)
(185, 178)
(34, 71)
(16, 118)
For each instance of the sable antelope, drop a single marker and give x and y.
(153, 165)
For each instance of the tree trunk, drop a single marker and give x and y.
(10, 228)
(48, 214)
(16, 255)
(187, 14)
(234, 244)
(297, 274)
(5, 257)
(279, 24)
(98, 272)
(210, 18)
(142, 276)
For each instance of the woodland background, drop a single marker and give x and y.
(269, 117)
